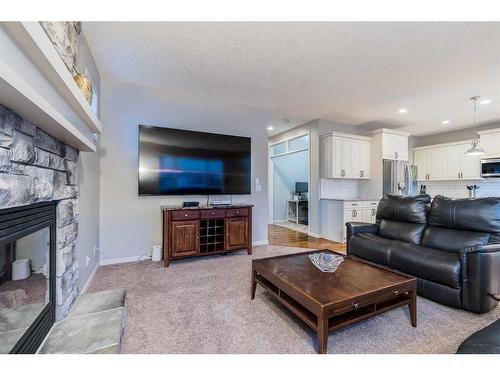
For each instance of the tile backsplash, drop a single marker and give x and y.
(457, 189)
(339, 188)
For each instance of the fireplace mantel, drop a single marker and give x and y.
(35, 83)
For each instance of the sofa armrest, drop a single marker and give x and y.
(480, 277)
(355, 227)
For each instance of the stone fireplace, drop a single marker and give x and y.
(34, 168)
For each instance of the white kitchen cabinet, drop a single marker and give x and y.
(446, 162)
(336, 213)
(490, 142)
(470, 164)
(345, 156)
(394, 146)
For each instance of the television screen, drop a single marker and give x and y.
(301, 187)
(180, 162)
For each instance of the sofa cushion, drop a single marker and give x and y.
(452, 240)
(399, 230)
(479, 214)
(371, 247)
(406, 209)
(441, 267)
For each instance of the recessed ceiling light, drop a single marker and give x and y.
(402, 110)
(485, 101)
(445, 122)
(270, 127)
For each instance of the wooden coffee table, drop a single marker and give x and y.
(327, 302)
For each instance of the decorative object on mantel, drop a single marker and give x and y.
(326, 262)
(475, 149)
(84, 84)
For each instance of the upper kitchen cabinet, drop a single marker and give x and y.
(446, 162)
(345, 156)
(394, 144)
(490, 141)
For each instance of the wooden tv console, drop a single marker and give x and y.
(206, 230)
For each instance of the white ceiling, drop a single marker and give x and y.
(354, 73)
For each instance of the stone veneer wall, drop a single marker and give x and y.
(35, 167)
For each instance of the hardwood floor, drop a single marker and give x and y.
(287, 237)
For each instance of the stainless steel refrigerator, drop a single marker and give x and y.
(400, 178)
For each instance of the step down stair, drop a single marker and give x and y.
(95, 325)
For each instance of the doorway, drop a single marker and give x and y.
(289, 176)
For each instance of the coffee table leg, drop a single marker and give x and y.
(322, 334)
(254, 284)
(413, 308)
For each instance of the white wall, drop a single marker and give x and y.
(129, 224)
(287, 170)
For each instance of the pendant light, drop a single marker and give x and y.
(475, 150)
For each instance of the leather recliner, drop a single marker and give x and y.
(451, 246)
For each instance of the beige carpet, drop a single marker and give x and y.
(203, 306)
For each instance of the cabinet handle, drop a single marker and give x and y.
(355, 305)
(459, 175)
(374, 212)
(396, 292)
(237, 212)
(462, 175)
(395, 155)
(342, 173)
(362, 173)
(186, 215)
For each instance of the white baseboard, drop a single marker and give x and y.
(312, 234)
(91, 277)
(105, 262)
(258, 243)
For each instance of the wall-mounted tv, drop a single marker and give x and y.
(183, 162)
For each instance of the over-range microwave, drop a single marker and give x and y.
(490, 167)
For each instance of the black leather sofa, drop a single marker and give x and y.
(451, 246)
(485, 341)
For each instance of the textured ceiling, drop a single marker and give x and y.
(354, 73)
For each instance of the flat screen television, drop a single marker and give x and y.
(183, 162)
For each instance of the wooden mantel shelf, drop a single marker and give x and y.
(20, 96)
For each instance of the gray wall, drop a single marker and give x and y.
(130, 224)
(287, 170)
(448, 137)
(88, 174)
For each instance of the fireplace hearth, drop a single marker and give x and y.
(27, 276)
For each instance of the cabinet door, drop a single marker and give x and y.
(236, 233)
(185, 238)
(349, 158)
(452, 159)
(327, 157)
(436, 163)
(395, 147)
(471, 164)
(364, 158)
(338, 162)
(367, 217)
(420, 159)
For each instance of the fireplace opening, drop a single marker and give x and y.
(27, 276)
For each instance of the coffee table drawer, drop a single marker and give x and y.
(185, 215)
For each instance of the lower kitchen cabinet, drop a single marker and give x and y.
(336, 213)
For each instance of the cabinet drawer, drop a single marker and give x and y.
(353, 204)
(212, 214)
(235, 212)
(185, 215)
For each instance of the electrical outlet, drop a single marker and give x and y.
(87, 261)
